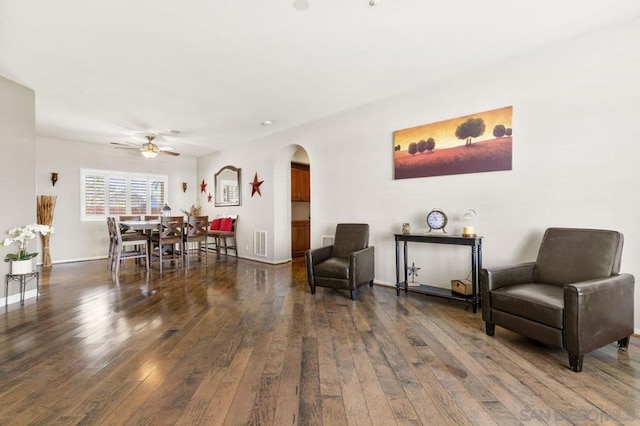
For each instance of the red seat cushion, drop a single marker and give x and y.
(215, 224)
(226, 224)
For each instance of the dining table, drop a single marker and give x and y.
(141, 225)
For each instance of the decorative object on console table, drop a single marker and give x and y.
(413, 272)
(469, 221)
(462, 287)
(406, 228)
(21, 236)
(46, 207)
(437, 219)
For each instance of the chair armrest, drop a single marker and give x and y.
(494, 278)
(598, 312)
(312, 258)
(362, 266)
(315, 256)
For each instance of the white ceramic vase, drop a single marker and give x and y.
(21, 266)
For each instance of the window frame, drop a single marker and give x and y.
(106, 175)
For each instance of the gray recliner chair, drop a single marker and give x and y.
(347, 264)
(573, 296)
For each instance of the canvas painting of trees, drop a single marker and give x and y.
(474, 143)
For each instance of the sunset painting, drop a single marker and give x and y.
(471, 144)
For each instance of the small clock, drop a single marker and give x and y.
(437, 219)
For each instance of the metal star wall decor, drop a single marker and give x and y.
(255, 185)
(203, 187)
(209, 197)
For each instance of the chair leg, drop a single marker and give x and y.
(490, 328)
(116, 258)
(313, 289)
(354, 294)
(371, 283)
(623, 344)
(575, 362)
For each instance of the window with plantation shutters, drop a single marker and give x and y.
(157, 195)
(93, 195)
(117, 195)
(109, 193)
(138, 189)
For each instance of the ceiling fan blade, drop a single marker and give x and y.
(124, 144)
(175, 154)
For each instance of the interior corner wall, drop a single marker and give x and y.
(17, 141)
(575, 109)
(76, 240)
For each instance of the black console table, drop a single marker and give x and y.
(476, 265)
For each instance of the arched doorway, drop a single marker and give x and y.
(300, 203)
(286, 210)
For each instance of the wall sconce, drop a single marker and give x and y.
(184, 186)
(54, 178)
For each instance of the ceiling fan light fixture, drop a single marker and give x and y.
(148, 154)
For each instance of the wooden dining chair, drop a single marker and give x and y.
(195, 237)
(111, 224)
(124, 218)
(138, 244)
(167, 244)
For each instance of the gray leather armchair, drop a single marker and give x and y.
(573, 296)
(347, 264)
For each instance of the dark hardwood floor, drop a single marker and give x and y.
(246, 343)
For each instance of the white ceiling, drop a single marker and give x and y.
(105, 70)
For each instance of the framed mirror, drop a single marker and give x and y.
(227, 186)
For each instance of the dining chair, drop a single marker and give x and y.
(167, 244)
(111, 224)
(195, 236)
(124, 218)
(138, 243)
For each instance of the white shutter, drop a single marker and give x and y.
(138, 196)
(94, 195)
(157, 195)
(117, 195)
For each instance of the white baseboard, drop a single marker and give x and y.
(14, 298)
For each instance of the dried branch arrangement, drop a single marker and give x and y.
(46, 204)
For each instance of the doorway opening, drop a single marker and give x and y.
(300, 203)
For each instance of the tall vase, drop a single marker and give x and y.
(46, 204)
(46, 256)
(21, 266)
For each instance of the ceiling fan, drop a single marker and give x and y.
(148, 149)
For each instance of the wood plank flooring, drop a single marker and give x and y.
(243, 343)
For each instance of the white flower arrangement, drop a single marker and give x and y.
(21, 236)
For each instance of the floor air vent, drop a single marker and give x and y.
(260, 243)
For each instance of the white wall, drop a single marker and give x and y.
(76, 240)
(575, 154)
(17, 170)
